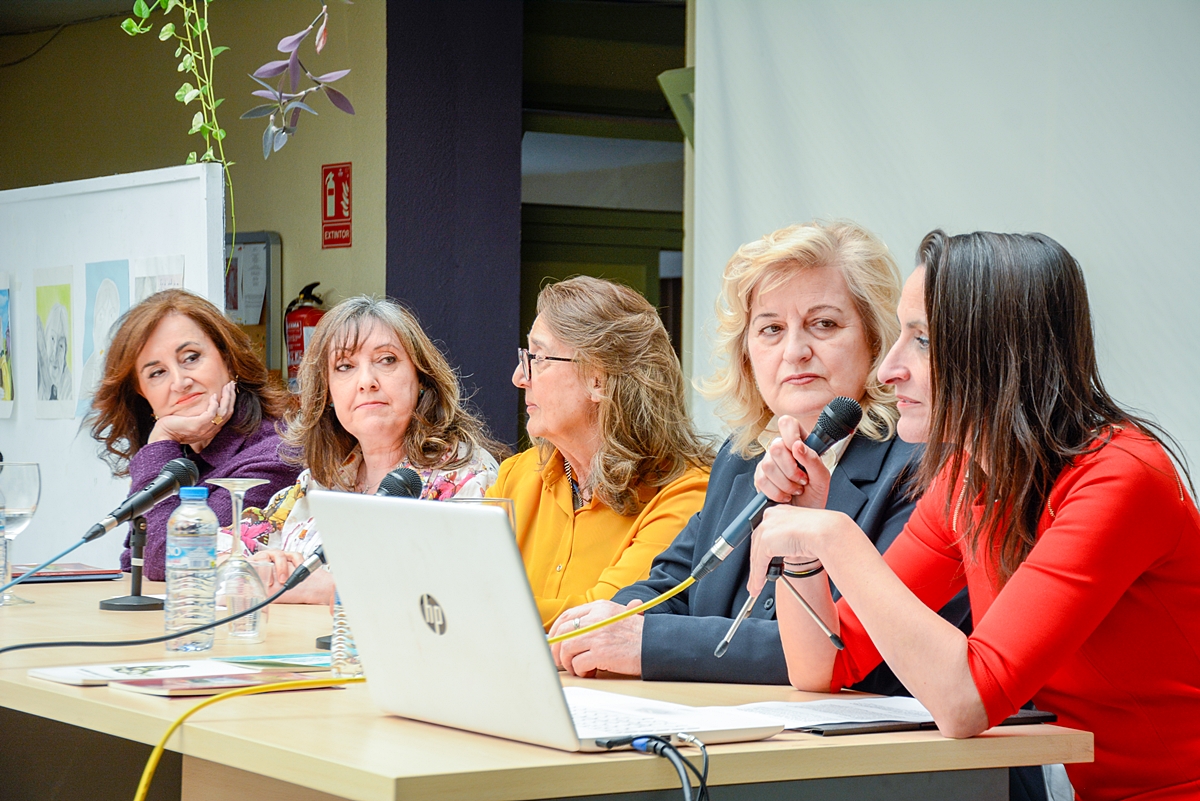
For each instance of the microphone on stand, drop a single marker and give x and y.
(838, 420)
(175, 474)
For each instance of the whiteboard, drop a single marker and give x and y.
(170, 216)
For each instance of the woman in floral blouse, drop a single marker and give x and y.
(376, 395)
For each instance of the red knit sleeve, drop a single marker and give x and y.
(1116, 513)
(926, 558)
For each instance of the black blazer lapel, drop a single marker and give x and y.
(860, 464)
(720, 589)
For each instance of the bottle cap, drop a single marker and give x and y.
(193, 493)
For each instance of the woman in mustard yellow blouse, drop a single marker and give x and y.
(616, 470)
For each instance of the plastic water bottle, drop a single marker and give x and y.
(344, 662)
(191, 570)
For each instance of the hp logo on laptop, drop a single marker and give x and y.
(431, 610)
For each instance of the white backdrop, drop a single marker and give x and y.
(177, 211)
(1078, 119)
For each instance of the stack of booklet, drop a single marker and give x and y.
(180, 677)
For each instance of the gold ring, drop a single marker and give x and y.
(217, 420)
(577, 624)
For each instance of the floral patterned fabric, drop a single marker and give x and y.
(286, 522)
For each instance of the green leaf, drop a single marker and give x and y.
(130, 27)
(197, 122)
(167, 32)
(162, 3)
(191, 159)
(220, 134)
(187, 64)
(182, 91)
(190, 96)
(201, 25)
(218, 51)
(218, 102)
(141, 9)
(179, 51)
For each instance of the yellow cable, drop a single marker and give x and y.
(156, 754)
(630, 612)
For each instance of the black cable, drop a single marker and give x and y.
(662, 747)
(53, 36)
(147, 641)
(703, 774)
(681, 765)
(54, 25)
(299, 575)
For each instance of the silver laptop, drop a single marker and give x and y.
(449, 633)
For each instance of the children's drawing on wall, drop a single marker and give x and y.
(6, 368)
(55, 387)
(107, 287)
(156, 274)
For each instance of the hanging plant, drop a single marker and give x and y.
(196, 55)
(285, 106)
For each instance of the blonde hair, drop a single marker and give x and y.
(440, 423)
(873, 279)
(646, 434)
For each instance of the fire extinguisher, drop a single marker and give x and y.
(301, 318)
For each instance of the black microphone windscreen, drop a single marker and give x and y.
(184, 471)
(839, 418)
(402, 483)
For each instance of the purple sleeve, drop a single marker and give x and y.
(259, 459)
(145, 465)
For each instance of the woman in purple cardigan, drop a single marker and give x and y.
(180, 379)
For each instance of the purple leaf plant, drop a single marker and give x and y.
(285, 107)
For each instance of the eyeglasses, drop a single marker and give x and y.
(527, 359)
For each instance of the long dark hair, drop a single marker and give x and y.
(1016, 388)
(121, 419)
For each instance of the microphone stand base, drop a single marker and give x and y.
(132, 603)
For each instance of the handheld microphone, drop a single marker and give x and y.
(175, 474)
(401, 483)
(837, 421)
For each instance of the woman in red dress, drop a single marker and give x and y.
(1062, 514)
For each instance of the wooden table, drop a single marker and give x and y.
(327, 744)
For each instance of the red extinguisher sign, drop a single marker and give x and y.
(336, 205)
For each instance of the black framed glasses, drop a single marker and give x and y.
(527, 359)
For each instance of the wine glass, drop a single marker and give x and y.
(20, 489)
(238, 584)
(504, 503)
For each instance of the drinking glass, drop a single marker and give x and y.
(20, 489)
(238, 583)
(504, 503)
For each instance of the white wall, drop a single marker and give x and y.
(1076, 119)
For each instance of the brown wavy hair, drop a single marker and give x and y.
(646, 433)
(121, 419)
(440, 424)
(1017, 394)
